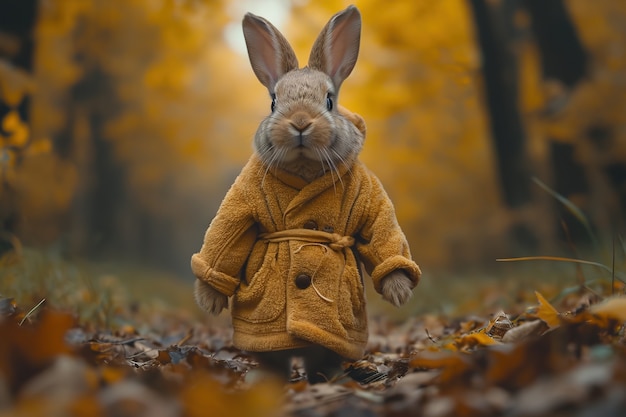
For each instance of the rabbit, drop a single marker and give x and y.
(307, 139)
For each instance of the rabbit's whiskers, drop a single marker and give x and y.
(271, 156)
(342, 160)
(332, 167)
(323, 156)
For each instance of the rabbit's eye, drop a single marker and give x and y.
(329, 102)
(273, 106)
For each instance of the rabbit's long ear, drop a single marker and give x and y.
(270, 54)
(337, 47)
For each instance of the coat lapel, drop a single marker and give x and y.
(316, 187)
(302, 191)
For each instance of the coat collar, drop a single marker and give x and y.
(307, 190)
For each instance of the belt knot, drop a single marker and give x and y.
(334, 241)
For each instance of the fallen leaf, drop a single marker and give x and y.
(452, 364)
(133, 398)
(546, 312)
(613, 308)
(202, 395)
(499, 325)
(26, 351)
(474, 339)
(525, 331)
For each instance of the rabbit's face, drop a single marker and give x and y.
(302, 121)
(305, 134)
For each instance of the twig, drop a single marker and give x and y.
(430, 337)
(559, 259)
(31, 311)
(186, 338)
(554, 258)
(119, 342)
(613, 267)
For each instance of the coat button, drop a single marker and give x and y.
(303, 281)
(328, 229)
(310, 224)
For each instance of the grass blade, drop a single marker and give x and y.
(571, 207)
(31, 311)
(560, 259)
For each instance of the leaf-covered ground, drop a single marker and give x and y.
(558, 356)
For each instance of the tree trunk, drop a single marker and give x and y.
(564, 62)
(494, 32)
(17, 22)
(563, 57)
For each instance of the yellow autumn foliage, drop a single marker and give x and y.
(157, 84)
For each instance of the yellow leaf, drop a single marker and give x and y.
(436, 360)
(11, 121)
(18, 130)
(475, 339)
(203, 395)
(546, 312)
(614, 308)
(452, 364)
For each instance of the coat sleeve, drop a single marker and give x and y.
(227, 242)
(382, 245)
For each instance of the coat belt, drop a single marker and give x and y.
(333, 240)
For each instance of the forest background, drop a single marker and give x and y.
(123, 123)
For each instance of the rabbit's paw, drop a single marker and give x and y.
(209, 298)
(397, 288)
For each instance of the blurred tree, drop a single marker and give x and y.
(563, 57)
(496, 33)
(573, 82)
(17, 22)
(563, 62)
(137, 99)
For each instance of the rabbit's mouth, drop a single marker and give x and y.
(301, 149)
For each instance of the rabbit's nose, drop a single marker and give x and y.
(301, 128)
(300, 122)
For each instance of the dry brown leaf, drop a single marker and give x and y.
(32, 346)
(499, 325)
(524, 331)
(77, 379)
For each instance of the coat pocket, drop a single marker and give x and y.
(351, 303)
(262, 299)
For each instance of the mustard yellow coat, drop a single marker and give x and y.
(287, 251)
